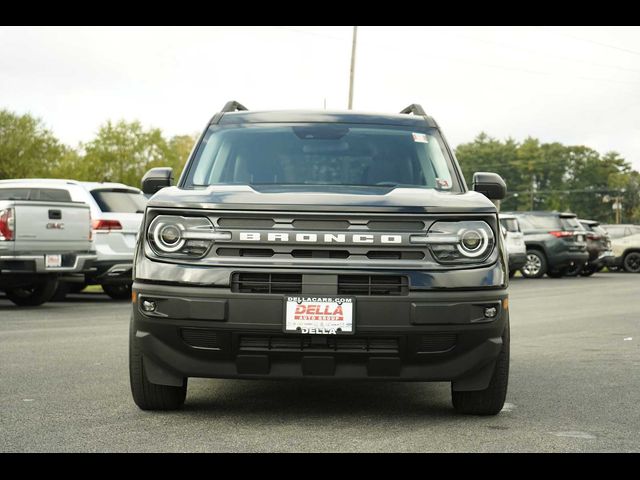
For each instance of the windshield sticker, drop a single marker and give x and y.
(420, 137)
(443, 183)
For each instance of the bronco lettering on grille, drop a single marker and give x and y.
(284, 237)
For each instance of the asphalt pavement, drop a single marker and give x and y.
(574, 387)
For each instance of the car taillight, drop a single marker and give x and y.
(6, 224)
(561, 233)
(106, 225)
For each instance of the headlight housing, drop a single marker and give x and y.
(469, 241)
(180, 237)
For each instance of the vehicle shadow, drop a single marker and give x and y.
(76, 298)
(305, 399)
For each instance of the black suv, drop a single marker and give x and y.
(325, 245)
(556, 243)
(598, 247)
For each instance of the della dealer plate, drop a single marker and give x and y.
(319, 315)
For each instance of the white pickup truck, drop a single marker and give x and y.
(44, 236)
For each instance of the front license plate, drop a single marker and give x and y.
(53, 261)
(319, 315)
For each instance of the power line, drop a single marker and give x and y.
(546, 55)
(468, 61)
(564, 34)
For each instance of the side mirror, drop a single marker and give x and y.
(156, 179)
(491, 185)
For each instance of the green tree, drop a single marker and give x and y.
(180, 147)
(27, 147)
(124, 151)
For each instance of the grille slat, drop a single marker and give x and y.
(299, 343)
(201, 338)
(282, 283)
(373, 285)
(437, 342)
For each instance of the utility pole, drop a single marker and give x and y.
(353, 66)
(533, 190)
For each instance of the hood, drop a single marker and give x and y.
(323, 198)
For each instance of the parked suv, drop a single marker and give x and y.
(321, 245)
(625, 244)
(116, 214)
(556, 242)
(514, 240)
(44, 237)
(598, 247)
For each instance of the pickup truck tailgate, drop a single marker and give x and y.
(56, 227)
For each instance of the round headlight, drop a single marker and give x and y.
(168, 237)
(473, 243)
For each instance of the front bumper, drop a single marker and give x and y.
(215, 333)
(35, 263)
(111, 273)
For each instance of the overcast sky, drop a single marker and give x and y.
(568, 84)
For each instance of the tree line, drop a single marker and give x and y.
(120, 151)
(539, 176)
(552, 176)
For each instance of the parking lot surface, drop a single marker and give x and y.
(574, 387)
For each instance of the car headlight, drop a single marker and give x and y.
(175, 236)
(470, 241)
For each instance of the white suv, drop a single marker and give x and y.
(514, 239)
(116, 214)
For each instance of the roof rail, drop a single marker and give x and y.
(233, 106)
(414, 108)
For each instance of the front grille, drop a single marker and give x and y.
(372, 285)
(281, 283)
(437, 342)
(302, 343)
(201, 338)
(309, 239)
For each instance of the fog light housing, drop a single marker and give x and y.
(490, 312)
(149, 306)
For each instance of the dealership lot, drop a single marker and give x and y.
(574, 386)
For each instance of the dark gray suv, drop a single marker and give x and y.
(325, 245)
(556, 243)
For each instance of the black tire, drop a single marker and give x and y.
(147, 395)
(631, 262)
(512, 273)
(61, 292)
(573, 270)
(491, 400)
(555, 273)
(588, 271)
(536, 265)
(118, 292)
(33, 295)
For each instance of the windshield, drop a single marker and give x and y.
(322, 154)
(122, 201)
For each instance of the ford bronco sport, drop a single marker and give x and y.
(324, 245)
